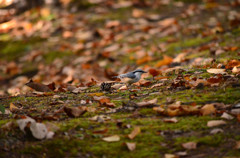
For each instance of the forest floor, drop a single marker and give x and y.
(187, 105)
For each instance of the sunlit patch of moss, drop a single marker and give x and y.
(174, 48)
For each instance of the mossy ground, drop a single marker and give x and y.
(77, 137)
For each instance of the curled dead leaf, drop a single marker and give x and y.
(134, 133)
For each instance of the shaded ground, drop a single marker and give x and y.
(177, 42)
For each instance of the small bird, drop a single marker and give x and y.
(131, 77)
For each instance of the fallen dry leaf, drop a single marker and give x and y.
(147, 103)
(131, 146)
(165, 61)
(170, 156)
(154, 72)
(38, 86)
(189, 145)
(227, 116)
(208, 109)
(134, 133)
(214, 123)
(75, 111)
(114, 138)
(216, 71)
(216, 130)
(157, 85)
(170, 120)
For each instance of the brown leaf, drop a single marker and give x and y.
(103, 101)
(189, 145)
(159, 109)
(144, 59)
(52, 86)
(214, 123)
(232, 63)
(165, 61)
(92, 83)
(145, 83)
(157, 85)
(114, 138)
(38, 86)
(75, 111)
(131, 146)
(134, 133)
(137, 13)
(167, 22)
(208, 109)
(102, 131)
(147, 103)
(154, 72)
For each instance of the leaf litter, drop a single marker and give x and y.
(85, 55)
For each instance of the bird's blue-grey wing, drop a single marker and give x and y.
(130, 75)
(127, 75)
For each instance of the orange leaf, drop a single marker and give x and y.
(165, 61)
(143, 60)
(208, 109)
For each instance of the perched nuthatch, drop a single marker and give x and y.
(131, 77)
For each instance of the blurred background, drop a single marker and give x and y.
(73, 41)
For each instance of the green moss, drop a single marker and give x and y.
(2, 122)
(54, 148)
(51, 56)
(211, 140)
(12, 50)
(174, 48)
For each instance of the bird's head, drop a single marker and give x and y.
(140, 71)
